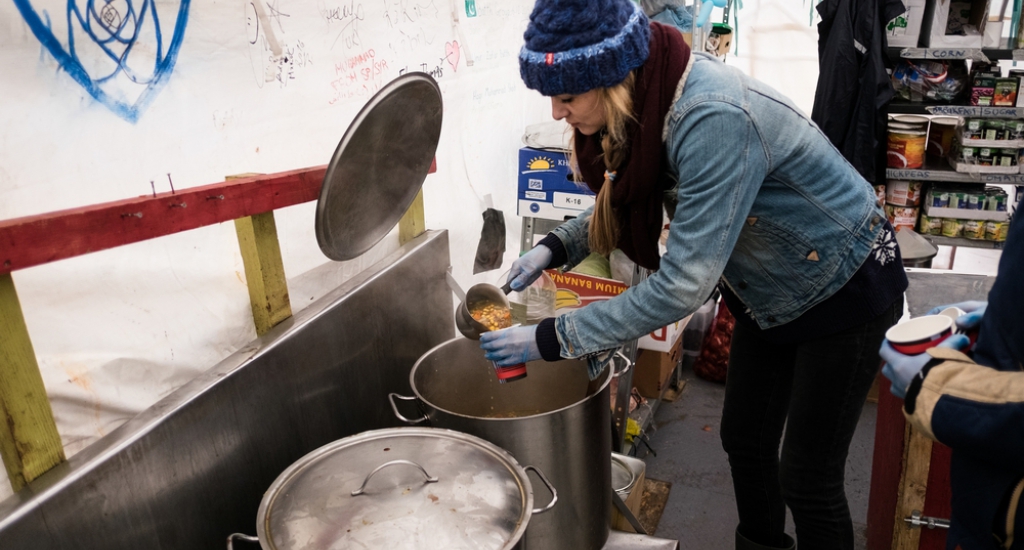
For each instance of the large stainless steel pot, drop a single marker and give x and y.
(555, 418)
(399, 488)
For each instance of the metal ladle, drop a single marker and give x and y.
(480, 292)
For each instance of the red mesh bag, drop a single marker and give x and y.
(713, 361)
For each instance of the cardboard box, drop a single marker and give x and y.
(970, 16)
(576, 290)
(665, 338)
(546, 186)
(634, 495)
(653, 369)
(905, 30)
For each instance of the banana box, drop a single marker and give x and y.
(575, 290)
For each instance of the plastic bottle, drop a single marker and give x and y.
(535, 302)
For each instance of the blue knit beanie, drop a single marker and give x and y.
(574, 46)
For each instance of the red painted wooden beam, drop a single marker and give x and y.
(43, 238)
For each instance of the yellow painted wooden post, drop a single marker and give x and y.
(264, 269)
(29, 442)
(917, 452)
(412, 223)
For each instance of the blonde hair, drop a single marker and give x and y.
(617, 102)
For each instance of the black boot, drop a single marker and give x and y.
(742, 543)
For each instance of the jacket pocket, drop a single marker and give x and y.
(794, 262)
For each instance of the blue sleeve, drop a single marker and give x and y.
(991, 428)
(575, 237)
(1001, 336)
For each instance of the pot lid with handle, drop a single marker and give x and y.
(379, 166)
(399, 488)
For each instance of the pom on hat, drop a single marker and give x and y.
(574, 46)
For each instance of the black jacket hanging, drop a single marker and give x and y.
(853, 91)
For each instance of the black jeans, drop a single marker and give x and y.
(816, 390)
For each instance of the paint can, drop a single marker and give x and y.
(901, 216)
(940, 136)
(906, 142)
(880, 193)
(903, 193)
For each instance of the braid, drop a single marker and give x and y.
(618, 104)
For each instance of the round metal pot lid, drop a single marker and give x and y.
(379, 166)
(622, 476)
(481, 498)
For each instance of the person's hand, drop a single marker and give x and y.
(529, 266)
(901, 369)
(974, 310)
(511, 346)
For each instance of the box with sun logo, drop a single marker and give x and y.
(546, 186)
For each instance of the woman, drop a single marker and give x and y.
(761, 205)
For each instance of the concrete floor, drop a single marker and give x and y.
(701, 511)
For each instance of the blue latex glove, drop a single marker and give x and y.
(974, 309)
(528, 267)
(901, 369)
(511, 346)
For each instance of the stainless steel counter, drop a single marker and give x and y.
(935, 287)
(192, 469)
(618, 540)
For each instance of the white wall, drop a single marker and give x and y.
(116, 330)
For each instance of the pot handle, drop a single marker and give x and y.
(551, 488)
(430, 478)
(626, 361)
(394, 407)
(246, 538)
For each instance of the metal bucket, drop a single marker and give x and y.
(555, 419)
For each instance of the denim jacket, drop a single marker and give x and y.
(763, 203)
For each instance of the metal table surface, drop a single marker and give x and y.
(935, 287)
(620, 540)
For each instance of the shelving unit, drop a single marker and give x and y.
(941, 171)
(1004, 52)
(960, 241)
(903, 107)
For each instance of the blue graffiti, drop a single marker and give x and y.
(120, 57)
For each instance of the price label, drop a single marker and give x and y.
(572, 201)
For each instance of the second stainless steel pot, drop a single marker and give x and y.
(556, 419)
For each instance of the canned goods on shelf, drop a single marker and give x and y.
(996, 231)
(927, 225)
(974, 230)
(995, 199)
(952, 227)
(975, 200)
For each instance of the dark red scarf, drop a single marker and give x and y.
(642, 179)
